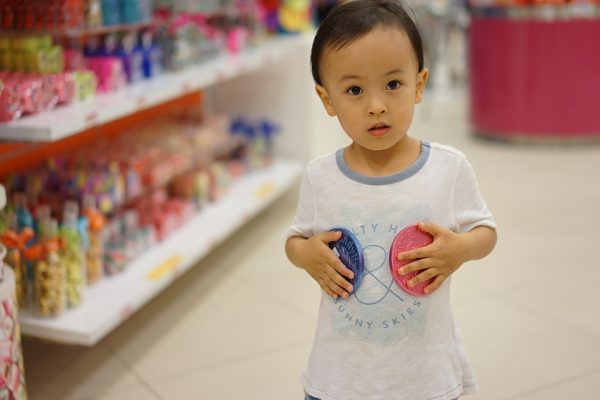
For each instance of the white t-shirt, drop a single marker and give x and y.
(382, 343)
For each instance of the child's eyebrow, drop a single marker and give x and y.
(349, 77)
(391, 72)
(394, 71)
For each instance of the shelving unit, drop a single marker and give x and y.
(66, 121)
(114, 299)
(77, 33)
(271, 80)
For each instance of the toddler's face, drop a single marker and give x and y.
(372, 86)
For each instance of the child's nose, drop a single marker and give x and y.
(377, 107)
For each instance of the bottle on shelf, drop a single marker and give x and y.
(94, 253)
(72, 254)
(50, 276)
(15, 245)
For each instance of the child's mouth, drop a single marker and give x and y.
(379, 129)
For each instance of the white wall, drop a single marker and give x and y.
(284, 92)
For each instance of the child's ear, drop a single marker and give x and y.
(326, 100)
(421, 83)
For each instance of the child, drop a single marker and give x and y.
(377, 342)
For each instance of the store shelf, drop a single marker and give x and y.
(114, 299)
(69, 120)
(83, 31)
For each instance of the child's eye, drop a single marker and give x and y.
(354, 91)
(393, 85)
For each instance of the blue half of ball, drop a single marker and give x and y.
(349, 251)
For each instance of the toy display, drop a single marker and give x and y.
(104, 45)
(84, 216)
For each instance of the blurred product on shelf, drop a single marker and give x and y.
(204, 6)
(49, 271)
(191, 32)
(93, 241)
(15, 245)
(288, 16)
(72, 254)
(71, 15)
(32, 72)
(23, 93)
(39, 71)
(117, 197)
(12, 373)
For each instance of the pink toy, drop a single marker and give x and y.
(409, 238)
(10, 104)
(64, 87)
(109, 72)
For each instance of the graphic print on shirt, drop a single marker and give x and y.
(380, 311)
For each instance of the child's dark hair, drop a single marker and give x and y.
(356, 18)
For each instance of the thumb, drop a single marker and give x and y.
(430, 228)
(331, 236)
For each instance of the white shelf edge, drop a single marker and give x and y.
(109, 303)
(72, 119)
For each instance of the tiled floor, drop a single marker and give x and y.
(239, 326)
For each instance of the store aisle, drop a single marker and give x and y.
(239, 326)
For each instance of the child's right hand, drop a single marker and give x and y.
(314, 255)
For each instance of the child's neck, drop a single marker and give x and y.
(383, 162)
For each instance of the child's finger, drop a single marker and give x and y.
(329, 292)
(328, 237)
(435, 284)
(341, 268)
(417, 265)
(423, 276)
(415, 254)
(340, 281)
(337, 289)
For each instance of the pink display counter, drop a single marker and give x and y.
(535, 79)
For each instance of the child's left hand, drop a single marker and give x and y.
(437, 260)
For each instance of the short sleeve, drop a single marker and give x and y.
(470, 209)
(305, 212)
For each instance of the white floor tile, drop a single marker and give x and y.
(586, 387)
(270, 376)
(514, 350)
(56, 372)
(572, 301)
(135, 393)
(232, 322)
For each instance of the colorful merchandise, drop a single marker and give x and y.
(12, 372)
(94, 249)
(33, 77)
(72, 254)
(109, 72)
(116, 198)
(15, 245)
(295, 16)
(50, 274)
(10, 103)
